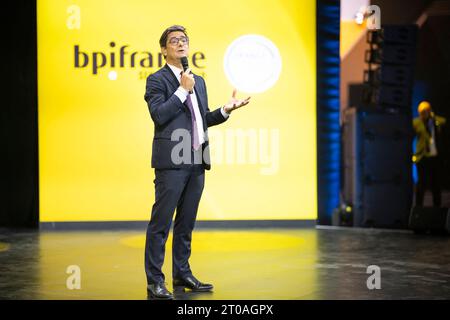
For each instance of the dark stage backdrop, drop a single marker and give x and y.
(19, 205)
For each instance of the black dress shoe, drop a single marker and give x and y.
(192, 283)
(159, 291)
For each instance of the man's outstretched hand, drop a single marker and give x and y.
(234, 103)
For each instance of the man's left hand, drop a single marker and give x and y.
(234, 103)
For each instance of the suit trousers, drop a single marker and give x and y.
(429, 176)
(180, 190)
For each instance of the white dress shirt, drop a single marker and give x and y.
(182, 94)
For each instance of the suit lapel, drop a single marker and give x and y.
(168, 74)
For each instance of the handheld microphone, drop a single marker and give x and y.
(185, 64)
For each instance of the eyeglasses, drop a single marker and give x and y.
(174, 41)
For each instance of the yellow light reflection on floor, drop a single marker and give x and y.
(256, 264)
(4, 246)
(230, 241)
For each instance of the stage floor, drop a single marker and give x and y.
(251, 264)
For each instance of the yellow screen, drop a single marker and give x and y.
(95, 130)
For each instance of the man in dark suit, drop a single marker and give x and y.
(427, 157)
(178, 106)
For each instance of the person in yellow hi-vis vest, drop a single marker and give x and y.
(428, 127)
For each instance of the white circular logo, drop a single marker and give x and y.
(252, 63)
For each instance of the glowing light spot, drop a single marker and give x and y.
(112, 75)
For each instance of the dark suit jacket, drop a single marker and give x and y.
(423, 136)
(169, 114)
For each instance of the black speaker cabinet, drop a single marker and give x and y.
(377, 174)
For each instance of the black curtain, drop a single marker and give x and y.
(19, 200)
